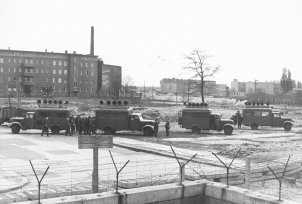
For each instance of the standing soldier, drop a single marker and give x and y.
(45, 126)
(86, 126)
(240, 120)
(71, 123)
(238, 117)
(167, 126)
(156, 124)
(77, 122)
(80, 125)
(68, 127)
(91, 125)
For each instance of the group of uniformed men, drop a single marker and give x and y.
(167, 127)
(81, 125)
(86, 126)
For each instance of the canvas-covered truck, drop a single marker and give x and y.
(115, 118)
(57, 120)
(200, 117)
(264, 115)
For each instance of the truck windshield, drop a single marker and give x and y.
(29, 115)
(217, 116)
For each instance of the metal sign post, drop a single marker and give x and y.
(95, 142)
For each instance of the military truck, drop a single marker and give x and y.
(199, 117)
(255, 115)
(57, 120)
(115, 117)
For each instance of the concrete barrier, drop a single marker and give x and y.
(201, 192)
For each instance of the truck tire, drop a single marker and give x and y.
(195, 129)
(228, 130)
(254, 126)
(148, 132)
(55, 130)
(287, 126)
(108, 131)
(15, 129)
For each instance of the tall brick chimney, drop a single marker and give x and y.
(92, 41)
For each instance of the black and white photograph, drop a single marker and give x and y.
(140, 101)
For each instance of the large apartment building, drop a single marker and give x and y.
(69, 74)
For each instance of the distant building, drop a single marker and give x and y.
(111, 80)
(183, 86)
(241, 89)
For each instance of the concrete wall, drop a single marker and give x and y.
(201, 192)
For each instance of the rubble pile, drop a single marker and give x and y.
(246, 149)
(162, 113)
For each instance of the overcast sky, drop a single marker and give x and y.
(249, 39)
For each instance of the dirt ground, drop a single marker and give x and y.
(262, 145)
(244, 138)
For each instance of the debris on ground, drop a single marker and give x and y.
(246, 149)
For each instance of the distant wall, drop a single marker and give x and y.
(199, 192)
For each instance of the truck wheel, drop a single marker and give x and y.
(195, 129)
(15, 129)
(254, 126)
(108, 131)
(287, 126)
(148, 132)
(55, 130)
(228, 130)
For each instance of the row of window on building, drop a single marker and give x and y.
(43, 79)
(47, 62)
(54, 71)
(39, 89)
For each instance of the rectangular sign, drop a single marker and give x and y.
(95, 141)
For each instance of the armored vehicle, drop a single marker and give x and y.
(264, 115)
(199, 117)
(114, 117)
(57, 120)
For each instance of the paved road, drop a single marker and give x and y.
(69, 166)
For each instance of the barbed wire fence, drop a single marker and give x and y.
(74, 177)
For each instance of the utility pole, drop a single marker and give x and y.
(255, 90)
(18, 92)
(144, 90)
(152, 91)
(189, 91)
(176, 91)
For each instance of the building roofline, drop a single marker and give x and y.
(112, 65)
(56, 53)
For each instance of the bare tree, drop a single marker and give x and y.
(128, 86)
(197, 64)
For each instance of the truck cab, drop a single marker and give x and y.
(57, 119)
(255, 116)
(202, 118)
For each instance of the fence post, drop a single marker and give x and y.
(182, 168)
(247, 175)
(227, 167)
(38, 180)
(181, 165)
(280, 178)
(117, 171)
